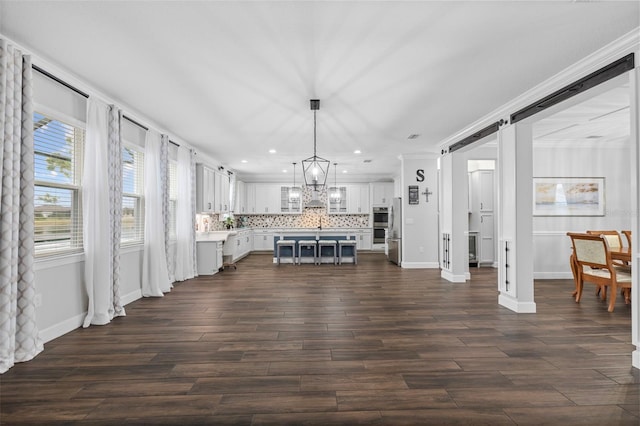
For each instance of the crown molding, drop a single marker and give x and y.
(629, 43)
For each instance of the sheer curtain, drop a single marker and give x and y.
(164, 188)
(155, 274)
(185, 219)
(19, 340)
(101, 212)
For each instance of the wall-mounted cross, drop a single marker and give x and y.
(426, 193)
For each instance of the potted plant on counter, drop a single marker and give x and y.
(228, 222)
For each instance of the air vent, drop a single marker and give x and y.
(594, 137)
(367, 161)
(414, 136)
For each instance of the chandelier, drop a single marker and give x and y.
(315, 169)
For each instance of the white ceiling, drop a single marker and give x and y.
(234, 79)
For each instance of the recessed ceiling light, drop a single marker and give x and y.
(244, 161)
(344, 171)
(272, 151)
(284, 170)
(357, 151)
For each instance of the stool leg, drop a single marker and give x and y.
(278, 254)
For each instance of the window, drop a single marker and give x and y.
(173, 197)
(132, 195)
(58, 151)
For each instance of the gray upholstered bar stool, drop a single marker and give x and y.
(333, 244)
(307, 244)
(286, 243)
(348, 243)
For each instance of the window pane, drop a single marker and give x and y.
(54, 146)
(57, 221)
(131, 212)
(57, 172)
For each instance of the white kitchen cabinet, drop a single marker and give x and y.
(263, 239)
(222, 193)
(287, 205)
(208, 257)
(240, 244)
(240, 198)
(364, 239)
(267, 198)
(354, 199)
(358, 199)
(487, 241)
(205, 189)
(337, 205)
(270, 198)
(381, 194)
(481, 214)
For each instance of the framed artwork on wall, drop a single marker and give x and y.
(568, 196)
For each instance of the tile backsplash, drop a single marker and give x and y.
(310, 218)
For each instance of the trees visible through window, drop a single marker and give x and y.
(58, 150)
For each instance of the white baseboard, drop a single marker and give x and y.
(516, 306)
(70, 324)
(62, 328)
(635, 358)
(420, 265)
(131, 297)
(467, 275)
(452, 278)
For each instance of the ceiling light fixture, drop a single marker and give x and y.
(315, 169)
(294, 192)
(357, 151)
(335, 194)
(272, 151)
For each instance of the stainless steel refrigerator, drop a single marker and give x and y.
(395, 231)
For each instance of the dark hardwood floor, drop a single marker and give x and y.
(365, 344)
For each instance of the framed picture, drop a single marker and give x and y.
(568, 196)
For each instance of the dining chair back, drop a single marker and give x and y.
(627, 235)
(613, 238)
(594, 265)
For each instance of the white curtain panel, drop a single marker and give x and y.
(185, 219)
(115, 201)
(155, 274)
(101, 230)
(193, 210)
(164, 185)
(19, 340)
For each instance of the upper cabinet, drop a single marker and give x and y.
(205, 189)
(212, 190)
(381, 194)
(240, 198)
(481, 190)
(352, 199)
(270, 198)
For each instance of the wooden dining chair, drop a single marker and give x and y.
(627, 235)
(594, 265)
(615, 242)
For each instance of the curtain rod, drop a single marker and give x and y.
(58, 80)
(80, 92)
(144, 127)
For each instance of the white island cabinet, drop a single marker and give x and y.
(209, 256)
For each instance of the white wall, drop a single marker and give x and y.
(608, 159)
(420, 222)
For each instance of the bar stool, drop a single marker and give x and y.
(286, 243)
(307, 244)
(333, 244)
(348, 243)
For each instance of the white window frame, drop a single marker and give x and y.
(75, 242)
(137, 196)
